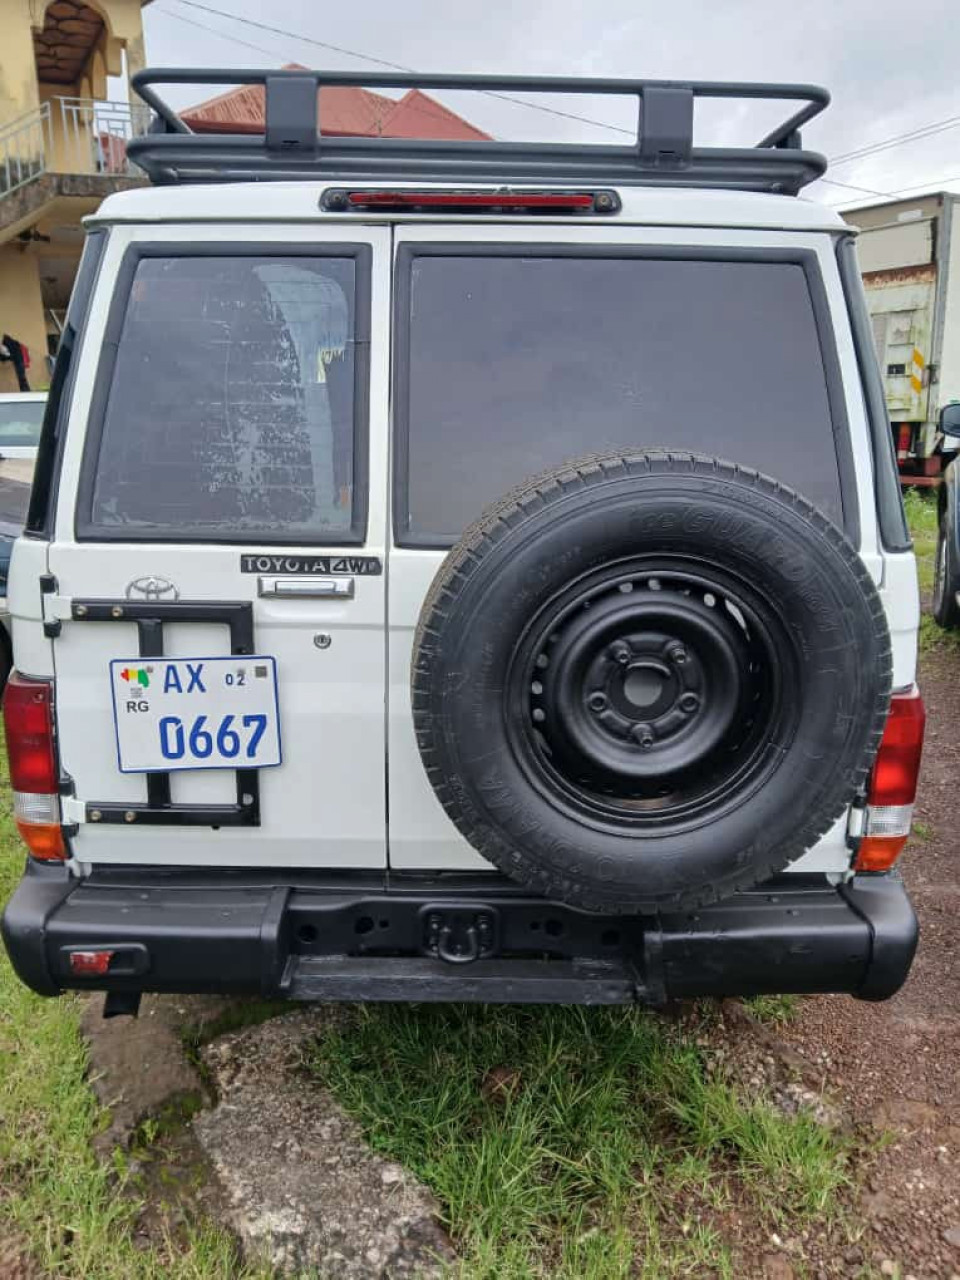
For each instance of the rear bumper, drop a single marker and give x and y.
(315, 937)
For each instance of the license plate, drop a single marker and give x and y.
(195, 713)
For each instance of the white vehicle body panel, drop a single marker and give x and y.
(352, 791)
(325, 806)
(289, 202)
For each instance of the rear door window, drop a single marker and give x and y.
(233, 403)
(508, 365)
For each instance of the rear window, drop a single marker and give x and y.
(515, 364)
(231, 408)
(20, 423)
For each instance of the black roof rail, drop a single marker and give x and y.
(663, 153)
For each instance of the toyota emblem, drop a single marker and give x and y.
(152, 589)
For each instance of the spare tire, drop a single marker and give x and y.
(644, 681)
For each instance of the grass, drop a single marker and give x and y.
(76, 1216)
(934, 638)
(776, 1011)
(922, 517)
(921, 511)
(571, 1142)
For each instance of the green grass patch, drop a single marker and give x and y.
(574, 1142)
(935, 639)
(76, 1215)
(776, 1011)
(922, 517)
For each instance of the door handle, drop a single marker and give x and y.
(312, 588)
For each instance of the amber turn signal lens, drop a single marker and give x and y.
(878, 853)
(44, 840)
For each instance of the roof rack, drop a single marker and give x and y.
(291, 147)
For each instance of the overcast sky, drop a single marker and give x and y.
(891, 67)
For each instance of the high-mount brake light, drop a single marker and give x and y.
(28, 718)
(893, 785)
(336, 200)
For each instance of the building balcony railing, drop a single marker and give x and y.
(69, 136)
(23, 149)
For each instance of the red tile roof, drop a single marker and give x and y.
(343, 111)
(417, 115)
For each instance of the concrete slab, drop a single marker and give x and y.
(305, 1192)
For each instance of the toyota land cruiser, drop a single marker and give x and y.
(465, 571)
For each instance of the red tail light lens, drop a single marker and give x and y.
(28, 717)
(897, 767)
(893, 785)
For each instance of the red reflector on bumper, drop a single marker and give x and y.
(90, 964)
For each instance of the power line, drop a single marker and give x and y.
(939, 182)
(397, 66)
(293, 35)
(898, 191)
(418, 109)
(202, 26)
(850, 186)
(924, 131)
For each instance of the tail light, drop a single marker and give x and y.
(893, 785)
(28, 718)
(903, 441)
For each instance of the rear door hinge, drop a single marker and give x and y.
(73, 811)
(56, 609)
(855, 825)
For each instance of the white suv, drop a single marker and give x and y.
(465, 571)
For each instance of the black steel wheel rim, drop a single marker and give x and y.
(652, 693)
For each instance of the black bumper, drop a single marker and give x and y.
(449, 937)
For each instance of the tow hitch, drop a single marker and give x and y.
(459, 934)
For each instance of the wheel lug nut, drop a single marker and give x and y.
(621, 654)
(643, 735)
(689, 702)
(678, 654)
(597, 702)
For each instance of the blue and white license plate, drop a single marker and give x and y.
(195, 713)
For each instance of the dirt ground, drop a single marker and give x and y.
(895, 1064)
